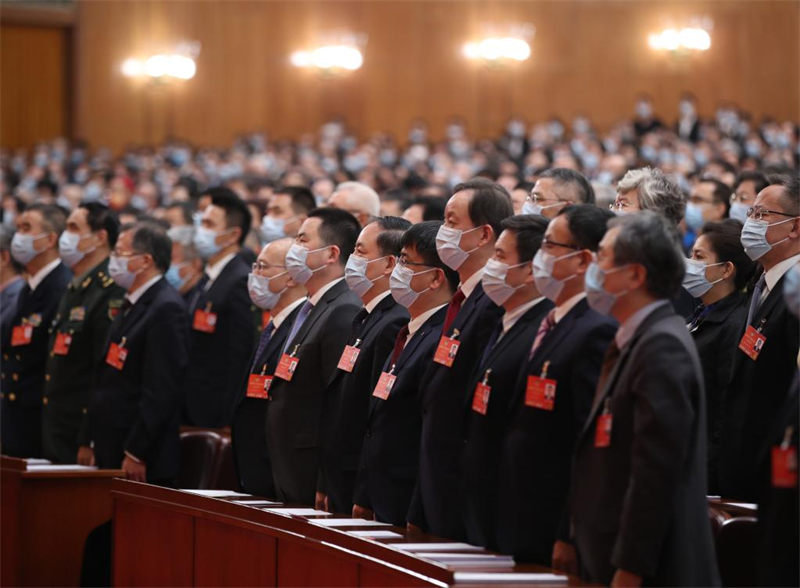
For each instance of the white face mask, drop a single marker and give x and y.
(543, 264)
(695, 281)
(754, 237)
(260, 294)
(297, 263)
(182, 234)
(400, 285)
(355, 274)
(494, 282)
(530, 208)
(23, 249)
(448, 244)
(205, 241)
(273, 228)
(599, 299)
(68, 245)
(739, 212)
(119, 272)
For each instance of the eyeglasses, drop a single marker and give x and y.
(260, 266)
(743, 198)
(698, 200)
(758, 213)
(533, 198)
(404, 262)
(119, 253)
(548, 243)
(621, 205)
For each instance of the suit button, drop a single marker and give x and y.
(52, 354)
(84, 411)
(44, 400)
(15, 377)
(47, 377)
(5, 356)
(12, 397)
(18, 357)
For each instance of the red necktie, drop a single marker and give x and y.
(547, 323)
(452, 309)
(399, 344)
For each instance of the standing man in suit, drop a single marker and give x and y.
(764, 363)
(553, 393)
(638, 497)
(387, 472)
(508, 281)
(79, 331)
(222, 333)
(371, 340)
(35, 246)
(271, 289)
(135, 412)
(308, 361)
(464, 242)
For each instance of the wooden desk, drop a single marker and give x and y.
(46, 516)
(176, 538)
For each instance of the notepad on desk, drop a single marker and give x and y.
(507, 578)
(214, 493)
(440, 547)
(302, 512)
(351, 523)
(256, 503)
(484, 560)
(376, 534)
(57, 467)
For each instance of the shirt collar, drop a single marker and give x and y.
(468, 286)
(415, 323)
(321, 292)
(567, 305)
(628, 329)
(773, 276)
(278, 319)
(213, 271)
(511, 318)
(370, 306)
(38, 277)
(133, 297)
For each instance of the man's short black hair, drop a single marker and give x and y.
(236, 212)
(101, 217)
(587, 224)
(186, 210)
(151, 238)
(721, 194)
(758, 178)
(432, 207)
(303, 201)
(529, 230)
(337, 227)
(392, 229)
(490, 203)
(577, 181)
(422, 237)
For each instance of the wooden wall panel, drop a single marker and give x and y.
(586, 56)
(33, 84)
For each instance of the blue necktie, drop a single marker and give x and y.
(266, 335)
(298, 322)
(755, 301)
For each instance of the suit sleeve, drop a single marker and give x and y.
(163, 370)
(239, 345)
(663, 417)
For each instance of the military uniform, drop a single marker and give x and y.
(77, 340)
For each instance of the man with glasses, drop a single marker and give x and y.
(271, 290)
(765, 363)
(556, 188)
(134, 415)
(35, 246)
(552, 395)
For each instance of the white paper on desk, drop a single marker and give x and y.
(419, 547)
(303, 512)
(31, 461)
(55, 467)
(258, 503)
(468, 557)
(748, 505)
(508, 578)
(376, 534)
(350, 523)
(213, 493)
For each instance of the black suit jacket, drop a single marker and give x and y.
(295, 410)
(219, 359)
(137, 408)
(717, 337)
(484, 432)
(756, 392)
(435, 506)
(22, 370)
(536, 455)
(347, 402)
(640, 503)
(248, 432)
(389, 461)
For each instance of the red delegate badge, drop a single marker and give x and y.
(349, 356)
(752, 342)
(258, 386)
(384, 386)
(205, 320)
(287, 365)
(602, 434)
(447, 350)
(21, 335)
(117, 354)
(63, 341)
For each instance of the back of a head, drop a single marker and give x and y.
(650, 240)
(422, 237)
(101, 217)
(149, 237)
(587, 223)
(529, 231)
(53, 217)
(236, 212)
(337, 227)
(569, 179)
(432, 208)
(364, 197)
(724, 237)
(490, 203)
(392, 229)
(303, 200)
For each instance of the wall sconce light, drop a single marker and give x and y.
(498, 49)
(179, 65)
(680, 40)
(329, 58)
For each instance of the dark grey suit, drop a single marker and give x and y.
(640, 503)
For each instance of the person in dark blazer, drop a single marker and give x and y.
(308, 361)
(766, 354)
(80, 328)
(134, 417)
(638, 488)
(373, 334)
(223, 334)
(24, 345)
(270, 289)
(464, 242)
(552, 394)
(717, 274)
(389, 461)
(508, 282)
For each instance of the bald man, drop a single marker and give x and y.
(358, 199)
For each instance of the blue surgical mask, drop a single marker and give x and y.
(119, 272)
(543, 264)
(272, 228)
(355, 274)
(23, 249)
(205, 241)
(448, 245)
(68, 248)
(494, 282)
(297, 263)
(694, 216)
(173, 276)
(599, 299)
(754, 237)
(400, 285)
(529, 207)
(739, 211)
(260, 294)
(695, 281)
